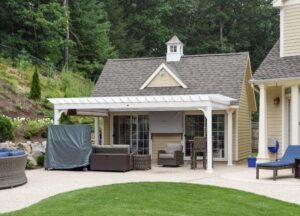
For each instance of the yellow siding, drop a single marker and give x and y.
(291, 30)
(106, 127)
(274, 113)
(163, 79)
(244, 119)
(159, 142)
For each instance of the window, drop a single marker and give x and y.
(195, 125)
(173, 49)
(132, 130)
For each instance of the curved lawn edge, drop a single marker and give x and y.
(158, 198)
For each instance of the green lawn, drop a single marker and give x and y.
(159, 199)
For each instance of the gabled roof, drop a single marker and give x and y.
(274, 67)
(203, 74)
(172, 72)
(174, 40)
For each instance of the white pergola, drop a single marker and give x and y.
(100, 106)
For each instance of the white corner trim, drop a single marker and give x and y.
(281, 51)
(162, 66)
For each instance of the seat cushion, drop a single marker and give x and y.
(4, 149)
(16, 152)
(166, 155)
(172, 147)
(3, 154)
(274, 164)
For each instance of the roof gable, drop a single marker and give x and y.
(163, 76)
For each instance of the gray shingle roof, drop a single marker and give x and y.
(274, 67)
(203, 74)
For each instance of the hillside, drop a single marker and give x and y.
(15, 87)
(30, 118)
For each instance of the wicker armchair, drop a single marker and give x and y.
(12, 171)
(171, 156)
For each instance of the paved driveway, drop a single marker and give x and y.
(42, 184)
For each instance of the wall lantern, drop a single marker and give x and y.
(276, 101)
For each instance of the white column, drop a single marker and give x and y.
(295, 114)
(229, 136)
(96, 130)
(57, 114)
(102, 131)
(209, 167)
(262, 139)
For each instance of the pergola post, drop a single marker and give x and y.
(208, 115)
(57, 115)
(96, 130)
(229, 135)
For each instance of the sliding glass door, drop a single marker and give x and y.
(132, 130)
(195, 125)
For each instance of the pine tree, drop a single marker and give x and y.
(35, 91)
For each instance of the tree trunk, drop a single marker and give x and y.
(66, 51)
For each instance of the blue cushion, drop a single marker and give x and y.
(3, 154)
(4, 149)
(275, 164)
(292, 152)
(16, 152)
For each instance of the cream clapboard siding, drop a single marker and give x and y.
(244, 119)
(159, 142)
(106, 127)
(274, 114)
(291, 30)
(163, 79)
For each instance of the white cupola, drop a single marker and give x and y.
(174, 49)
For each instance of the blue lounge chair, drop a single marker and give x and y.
(287, 161)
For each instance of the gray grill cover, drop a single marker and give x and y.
(68, 146)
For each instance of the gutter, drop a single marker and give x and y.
(253, 81)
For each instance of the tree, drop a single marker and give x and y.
(35, 91)
(89, 28)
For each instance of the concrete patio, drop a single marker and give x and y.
(42, 184)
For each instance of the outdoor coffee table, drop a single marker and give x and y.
(142, 162)
(297, 168)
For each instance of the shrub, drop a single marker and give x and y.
(6, 129)
(36, 126)
(29, 164)
(35, 91)
(23, 60)
(44, 132)
(40, 160)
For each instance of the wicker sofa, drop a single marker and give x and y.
(12, 171)
(171, 156)
(111, 158)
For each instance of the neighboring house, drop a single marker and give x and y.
(278, 79)
(149, 102)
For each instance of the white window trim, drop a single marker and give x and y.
(162, 66)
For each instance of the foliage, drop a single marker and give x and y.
(6, 129)
(157, 198)
(16, 122)
(40, 160)
(29, 164)
(35, 91)
(102, 29)
(36, 126)
(23, 60)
